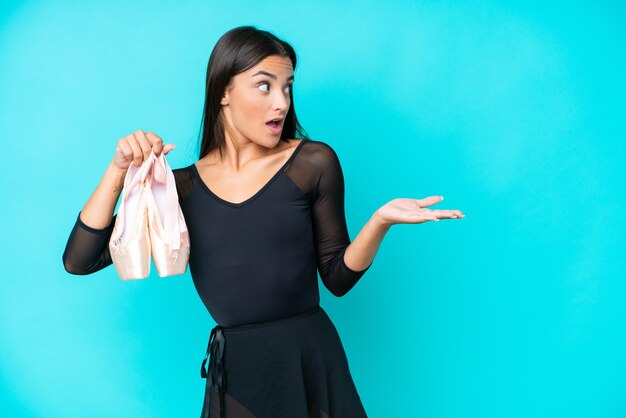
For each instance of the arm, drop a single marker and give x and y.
(361, 252)
(341, 263)
(87, 249)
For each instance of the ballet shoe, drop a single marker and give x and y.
(169, 237)
(130, 246)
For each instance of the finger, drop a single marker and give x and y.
(428, 216)
(436, 215)
(168, 147)
(137, 155)
(452, 216)
(145, 145)
(456, 213)
(429, 201)
(156, 141)
(125, 149)
(441, 213)
(421, 218)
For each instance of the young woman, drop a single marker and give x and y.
(264, 206)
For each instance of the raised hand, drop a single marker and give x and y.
(136, 148)
(414, 211)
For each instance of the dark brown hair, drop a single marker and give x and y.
(237, 51)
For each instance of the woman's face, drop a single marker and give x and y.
(255, 97)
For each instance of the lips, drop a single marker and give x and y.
(275, 125)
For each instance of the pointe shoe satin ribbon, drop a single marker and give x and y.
(130, 240)
(166, 224)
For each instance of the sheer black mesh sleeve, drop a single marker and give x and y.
(87, 248)
(317, 171)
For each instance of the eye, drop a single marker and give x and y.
(288, 88)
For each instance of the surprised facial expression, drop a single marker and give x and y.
(256, 101)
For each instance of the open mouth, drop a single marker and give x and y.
(275, 123)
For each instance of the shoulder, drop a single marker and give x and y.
(317, 145)
(319, 153)
(185, 180)
(182, 173)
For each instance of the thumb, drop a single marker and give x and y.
(430, 200)
(167, 148)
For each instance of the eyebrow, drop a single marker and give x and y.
(270, 75)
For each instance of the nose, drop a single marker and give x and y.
(281, 100)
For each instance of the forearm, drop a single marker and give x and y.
(98, 211)
(362, 250)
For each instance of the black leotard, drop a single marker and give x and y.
(256, 260)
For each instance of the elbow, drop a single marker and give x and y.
(335, 288)
(339, 293)
(72, 268)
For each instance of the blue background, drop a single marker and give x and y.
(514, 111)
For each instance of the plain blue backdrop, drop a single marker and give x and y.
(513, 111)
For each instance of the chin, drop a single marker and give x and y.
(274, 142)
(271, 143)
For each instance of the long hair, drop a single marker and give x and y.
(237, 51)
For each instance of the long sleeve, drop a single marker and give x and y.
(330, 229)
(87, 249)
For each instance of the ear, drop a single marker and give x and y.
(225, 99)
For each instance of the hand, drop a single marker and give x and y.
(137, 147)
(413, 211)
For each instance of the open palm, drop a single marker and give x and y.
(414, 211)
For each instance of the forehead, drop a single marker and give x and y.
(280, 66)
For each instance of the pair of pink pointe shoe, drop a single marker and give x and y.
(149, 222)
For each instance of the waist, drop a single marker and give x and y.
(272, 323)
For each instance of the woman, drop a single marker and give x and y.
(265, 213)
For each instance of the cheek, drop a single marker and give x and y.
(249, 110)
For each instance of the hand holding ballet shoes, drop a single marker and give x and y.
(149, 222)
